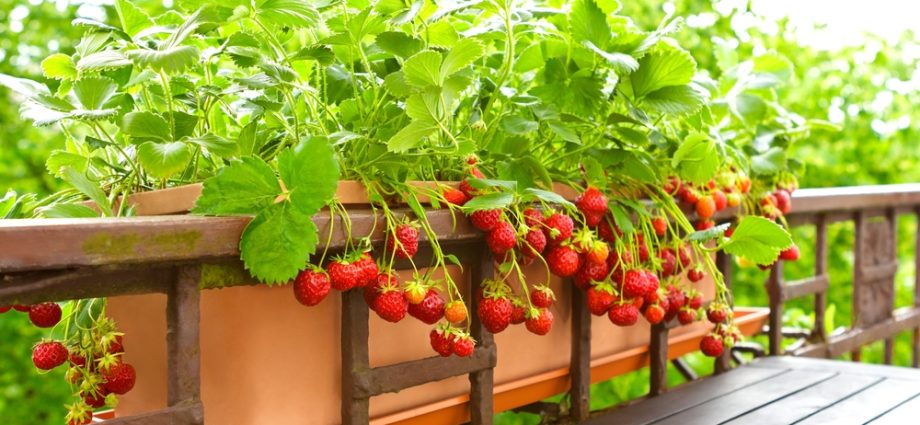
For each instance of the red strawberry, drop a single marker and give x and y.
(729, 232)
(744, 184)
(594, 220)
(463, 346)
(598, 252)
(558, 228)
(467, 189)
(563, 261)
(676, 301)
(390, 304)
(704, 225)
(688, 195)
(534, 243)
(540, 321)
(94, 401)
(45, 315)
(623, 314)
(668, 262)
(589, 272)
(501, 239)
(119, 378)
(344, 275)
(607, 232)
(22, 308)
(634, 284)
(660, 225)
(696, 301)
(455, 197)
(407, 237)
(695, 275)
(382, 280)
(486, 220)
(455, 312)
(442, 342)
(600, 298)
(705, 207)
(533, 218)
(716, 314)
(783, 201)
(651, 282)
(654, 314)
(685, 255)
(642, 248)
(49, 355)
(618, 261)
(117, 345)
(721, 201)
(430, 310)
(311, 287)
(592, 201)
(672, 184)
(495, 313)
(77, 360)
(686, 316)
(790, 254)
(369, 270)
(712, 346)
(542, 297)
(5, 308)
(518, 314)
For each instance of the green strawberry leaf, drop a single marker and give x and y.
(489, 202)
(241, 188)
(132, 18)
(145, 125)
(278, 242)
(59, 67)
(547, 196)
(697, 158)
(666, 66)
(708, 234)
(310, 173)
(292, 13)
(163, 160)
(410, 136)
(94, 92)
(588, 23)
(758, 239)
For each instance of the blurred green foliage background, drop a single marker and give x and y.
(869, 90)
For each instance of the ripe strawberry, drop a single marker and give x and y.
(501, 239)
(49, 355)
(117, 345)
(455, 312)
(22, 308)
(642, 247)
(729, 232)
(430, 310)
(403, 241)
(705, 207)
(95, 401)
(592, 201)
(533, 218)
(651, 282)
(695, 275)
(542, 297)
(593, 220)
(311, 286)
(676, 301)
(608, 232)
(688, 195)
(540, 321)
(344, 275)
(712, 346)
(696, 301)
(686, 316)
(600, 298)
(619, 260)
(660, 225)
(598, 252)
(518, 314)
(77, 360)
(495, 313)
(634, 284)
(589, 272)
(45, 315)
(668, 262)
(716, 314)
(783, 201)
(442, 342)
(119, 378)
(534, 243)
(486, 220)
(369, 270)
(623, 314)
(721, 201)
(467, 188)
(5, 308)
(455, 197)
(685, 255)
(558, 228)
(654, 314)
(371, 291)
(563, 261)
(672, 184)
(790, 254)
(463, 346)
(704, 225)
(390, 305)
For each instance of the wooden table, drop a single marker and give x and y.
(786, 390)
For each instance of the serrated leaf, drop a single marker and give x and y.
(399, 43)
(317, 52)
(292, 13)
(277, 243)
(410, 136)
(163, 160)
(101, 61)
(547, 196)
(100, 26)
(461, 55)
(514, 124)
(88, 188)
(621, 62)
(423, 69)
(588, 23)
(25, 87)
(675, 100)
(310, 173)
(94, 92)
(59, 67)
(708, 234)
(145, 125)
(216, 145)
(697, 158)
(132, 18)
(670, 66)
(243, 187)
(595, 173)
(489, 201)
(638, 169)
(408, 14)
(171, 59)
(758, 239)
(68, 211)
(770, 162)
(492, 183)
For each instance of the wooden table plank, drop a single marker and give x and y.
(905, 413)
(853, 368)
(735, 404)
(686, 396)
(808, 401)
(868, 404)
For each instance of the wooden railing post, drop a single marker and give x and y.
(182, 341)
(355, 358)
(915, 361)
(580, 364)
(724, 264)
(820, 332)
(481, 382)
(775, 291)
(658, 359)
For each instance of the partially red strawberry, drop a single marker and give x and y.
(486, 220)
(455, 312)
(688, 195)
(783, 201)
(563, 261)
(533, 218)
(403, 241)
(672, 184)
(534, 243)
(540, 321)
(390, 304)
(592, 201)
(558, 228)
(668, 262)
(600, 298)
(695, 275)
(501, 239)
(455, 197)
(734, 199)
(542, 297)
(119, 378)
(598, 252)
(311, 286)
(495, 313)
(117, 345)
(716, 314)
(623, 314)
(45, 315)
(48, 355)
(463, 346)
(442, 342)
(430, 310)
(686, 316)
(79, 414)
(634, 284)
(660, 224)
(712, 345)
(654, 314)
(721, 201)
(705, 207)
(790, 254)
(344, 275)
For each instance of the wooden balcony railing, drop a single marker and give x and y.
(61, 259)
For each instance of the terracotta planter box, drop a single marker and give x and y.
(265, 359)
